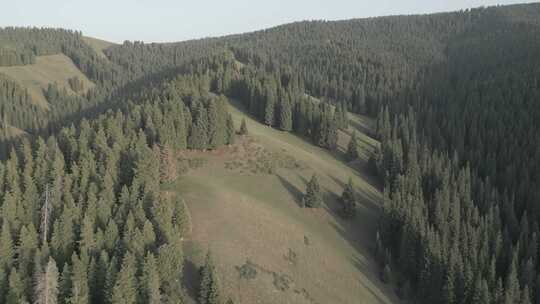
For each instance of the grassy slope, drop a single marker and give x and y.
(47, 69)
(243, 216)
(98, 45)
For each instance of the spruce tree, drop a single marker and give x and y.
(448, 291)
(213, 125)
(168, 164)
(16, 294)
(285, 115)
(313, 196)
(46, 291)
(230, 132)
(79, 282)
(348, 200)
(151, 282)
(64, 284)
(269, 107)
(352, 148)
(125, 288)
(332, 136)
(209, 290)
(511, 289)
(7, 250)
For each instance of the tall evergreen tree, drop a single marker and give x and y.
(352, 148)
(125, 289)
(47, 285)
(151, 282)
(313, 196)
(209, 290)
(16, 294)
(285, 114)
(348, 200)
(231, 131)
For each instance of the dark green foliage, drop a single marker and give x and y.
(209, 290)
(386, 275)
(285, 115)
(478, 225)
(102, 186)
(230, 131)
(125, 289)
(457, 99)
(352, 148)
(313, 196)
(348, 200)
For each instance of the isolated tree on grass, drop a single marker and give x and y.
(243, 127)
(230, 132)
(313, 196)
(352, 148)
(209, 292)
(348, 200)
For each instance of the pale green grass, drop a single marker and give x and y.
(98, 45)
(47, 69)
(242, 216)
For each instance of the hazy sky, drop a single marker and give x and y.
(174, 20)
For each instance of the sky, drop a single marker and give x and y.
(176, 20)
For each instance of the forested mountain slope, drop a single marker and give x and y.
(457, 101)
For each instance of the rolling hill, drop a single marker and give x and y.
(155, 196)
(47, 70)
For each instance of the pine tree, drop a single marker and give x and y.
(209, 290)
(125, 288)
(170, 261)
(511, 289)
(213, 125)
(15, 294)
(168, 165)
(79, 282)
(64, 285)
(7, 250)
(332, 137)
(348, 200)
(47, 285)
(198, 138)
(480, 292)
(448, 293)
(243, 127)
(313, 196)
(269, 107)
(285, 115)
(386, 275)
(231, 132)
(151, 282)
(352, 148)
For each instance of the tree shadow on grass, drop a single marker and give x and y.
(191, 278)
(296, 193)
(366, 199)
(374, 277)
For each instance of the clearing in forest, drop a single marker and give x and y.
(244, 203)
